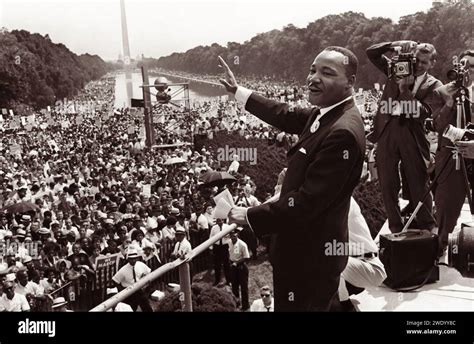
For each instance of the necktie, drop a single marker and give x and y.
(315, 120)
(268, 308)
(134, 275)
(179, 245)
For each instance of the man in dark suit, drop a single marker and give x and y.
(400, 133)
(324, 167)
(451, 188)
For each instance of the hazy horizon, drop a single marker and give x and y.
(160, 28)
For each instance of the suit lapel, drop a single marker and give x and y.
(328, 119)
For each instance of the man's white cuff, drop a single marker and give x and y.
(242, 95)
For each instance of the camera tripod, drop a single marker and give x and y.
(460, 98)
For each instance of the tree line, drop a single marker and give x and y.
(287, 54)
(37, 72)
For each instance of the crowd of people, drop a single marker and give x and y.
(89, 187)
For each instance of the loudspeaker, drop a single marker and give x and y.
(409, 257)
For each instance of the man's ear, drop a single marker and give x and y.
(351, 81)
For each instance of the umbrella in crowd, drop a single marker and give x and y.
(21, 207)
(174, 160)
(215, 178)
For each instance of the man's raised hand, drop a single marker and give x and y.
(229, 81)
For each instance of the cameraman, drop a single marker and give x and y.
(451, 190)
(399, 130)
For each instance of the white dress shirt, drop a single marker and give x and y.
(182, 248)
(216, 230)
(238, 251)
(125, 277)
(30, 288)
(17, 304)
(259, 306)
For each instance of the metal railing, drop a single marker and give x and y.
(184, 275)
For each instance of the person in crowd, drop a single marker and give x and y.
(60, 305)
(129, 274)
(265, 303)
(220, 253)
(239, 272)
(12, 301)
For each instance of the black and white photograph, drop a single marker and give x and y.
(237, 156)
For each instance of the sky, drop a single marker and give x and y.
(160, 27)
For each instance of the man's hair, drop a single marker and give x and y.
(265, 288)
(469, 52)
(427, 48)
(352, 61)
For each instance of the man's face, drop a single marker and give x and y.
(266, 297)
(22, 278)
(76, 248)
(132, 261)
(423, 63)
(327, 80)
(9, 290)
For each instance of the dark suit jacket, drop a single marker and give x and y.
(424, 95)
(323, 170)
(443, 116)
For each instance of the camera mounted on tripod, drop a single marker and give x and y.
(401, 64)
(459, 73)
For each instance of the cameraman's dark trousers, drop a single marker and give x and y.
(400, 141)
(240, 279)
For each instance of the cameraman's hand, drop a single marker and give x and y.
(405, 83)
(407, 46)
(229, 81)
(447, 92)
(466, 148)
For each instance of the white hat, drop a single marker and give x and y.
(44, 230)
(10, 277)
(132, 253)
(180, 230)
(58, 302)
(27, 259)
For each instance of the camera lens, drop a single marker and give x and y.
(461, 251)
(452, 75)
